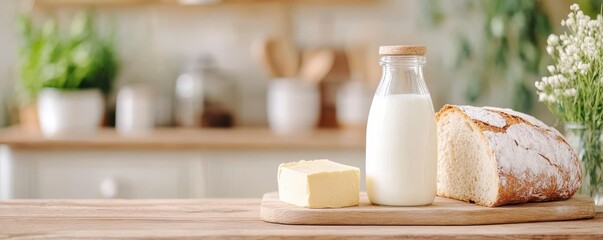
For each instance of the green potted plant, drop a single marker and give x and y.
(66, 73)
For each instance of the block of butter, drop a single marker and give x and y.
(319, 184)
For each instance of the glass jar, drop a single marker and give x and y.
(204, 96)
(588, 144)
(401, 140)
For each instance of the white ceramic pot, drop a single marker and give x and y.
(353, 104)
(134, 113)
(70, 113)
(293, 106)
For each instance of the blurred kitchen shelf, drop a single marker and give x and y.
(49, 3)
(118, 3)
(182, 138)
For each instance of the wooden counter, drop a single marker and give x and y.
(180, 138)
(232, 218)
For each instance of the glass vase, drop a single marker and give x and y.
(588, 144)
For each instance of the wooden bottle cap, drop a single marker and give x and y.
(418, 50)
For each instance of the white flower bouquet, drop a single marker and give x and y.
(574, 91)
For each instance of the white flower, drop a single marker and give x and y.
(569, 22)
(551, 69)
(555, 82)
(593, 24)
(577, 56)
(571, 50)
(589, 40)
(570, 92)
(583, 67)
(580, 15)
(552, 40)
(577, 64)
(539, 86)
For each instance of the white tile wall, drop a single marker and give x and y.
(156, 41)
(8, 45)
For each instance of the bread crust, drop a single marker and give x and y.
(519, 187)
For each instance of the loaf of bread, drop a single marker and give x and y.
(494, 156)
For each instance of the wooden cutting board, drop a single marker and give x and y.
(443, 211)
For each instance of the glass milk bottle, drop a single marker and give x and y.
(401, 141)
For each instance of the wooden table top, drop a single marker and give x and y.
(232, 218)
(184, 138)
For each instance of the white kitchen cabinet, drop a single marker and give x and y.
(151, 174)
(101, 174)
(251, 173)
(157, 167)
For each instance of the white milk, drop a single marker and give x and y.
(401, 150)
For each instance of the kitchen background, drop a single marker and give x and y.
(479, 52)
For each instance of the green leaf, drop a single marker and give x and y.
(523, 99)
(474, 90)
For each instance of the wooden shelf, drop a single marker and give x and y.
(54, 3)
(181, 138)
(124, 3)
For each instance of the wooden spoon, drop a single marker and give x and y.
(316, 65)
(284, 57)
(373, 69)
(261, 54)
(357, 62)
(364, 64)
